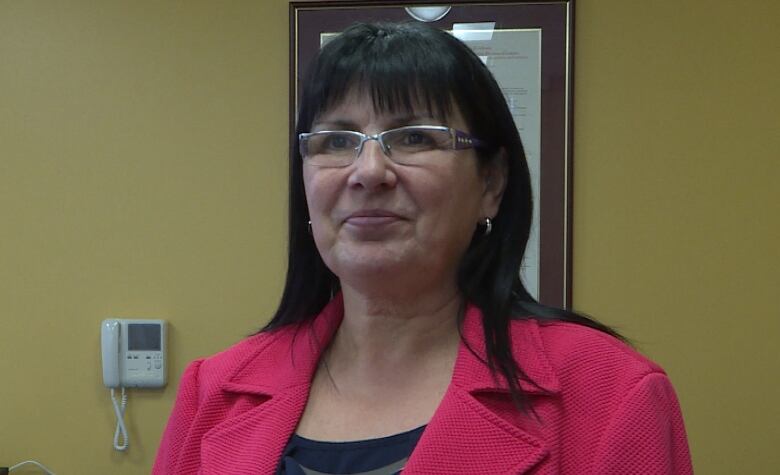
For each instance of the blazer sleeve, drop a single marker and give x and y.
(178, 430)
(646, 434)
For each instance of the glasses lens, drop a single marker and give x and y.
(330, 148)
(412, 143)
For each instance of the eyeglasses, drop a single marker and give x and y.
(410, 145)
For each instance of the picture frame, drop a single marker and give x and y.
(528, 45)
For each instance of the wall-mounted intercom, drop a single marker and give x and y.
(133, 354)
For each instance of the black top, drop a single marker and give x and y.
(383, 456)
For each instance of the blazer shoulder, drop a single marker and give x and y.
(588, 359)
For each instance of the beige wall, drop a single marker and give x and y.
(142, 163)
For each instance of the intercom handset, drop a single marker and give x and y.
(133, 353)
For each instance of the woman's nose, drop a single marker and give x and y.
(372, 167)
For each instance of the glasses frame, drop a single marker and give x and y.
(460, 140)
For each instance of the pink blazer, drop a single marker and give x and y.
(602, 408)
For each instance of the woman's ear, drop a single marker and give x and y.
(495, 175)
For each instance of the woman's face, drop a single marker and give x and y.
(376, 221)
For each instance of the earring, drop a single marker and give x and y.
(308, 225)
(488, 223)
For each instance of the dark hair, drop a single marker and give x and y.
(402, 66)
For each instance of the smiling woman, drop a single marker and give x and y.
(405, 339)
(411, 201)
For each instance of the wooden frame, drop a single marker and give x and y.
(553, 20)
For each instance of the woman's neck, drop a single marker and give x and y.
(386, 369)
(379, 333)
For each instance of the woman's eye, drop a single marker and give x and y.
(416, 138)
(337, 142)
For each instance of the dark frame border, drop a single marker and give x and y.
(555, 220)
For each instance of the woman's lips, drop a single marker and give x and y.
(372, 218)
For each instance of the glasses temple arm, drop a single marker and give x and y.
(463, 140)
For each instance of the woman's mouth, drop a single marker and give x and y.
(372, 218)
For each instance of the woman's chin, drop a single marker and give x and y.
(378, 262)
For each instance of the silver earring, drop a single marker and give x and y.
(488, 223)
(308, 225)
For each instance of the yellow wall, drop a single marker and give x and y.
(142, 163)
(677, 206)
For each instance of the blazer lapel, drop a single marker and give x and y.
(466, 437)
(475, 428)
(268, 393)
(252, 442)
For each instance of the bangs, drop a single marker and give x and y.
(390, 92)
(401, 73)
(391, 98)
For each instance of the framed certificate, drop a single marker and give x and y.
(528, 48)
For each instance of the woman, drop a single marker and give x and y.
(405, 338)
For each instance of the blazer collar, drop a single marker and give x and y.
(275, 378)
(289, 356)
(472, 373)
(466, 434)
